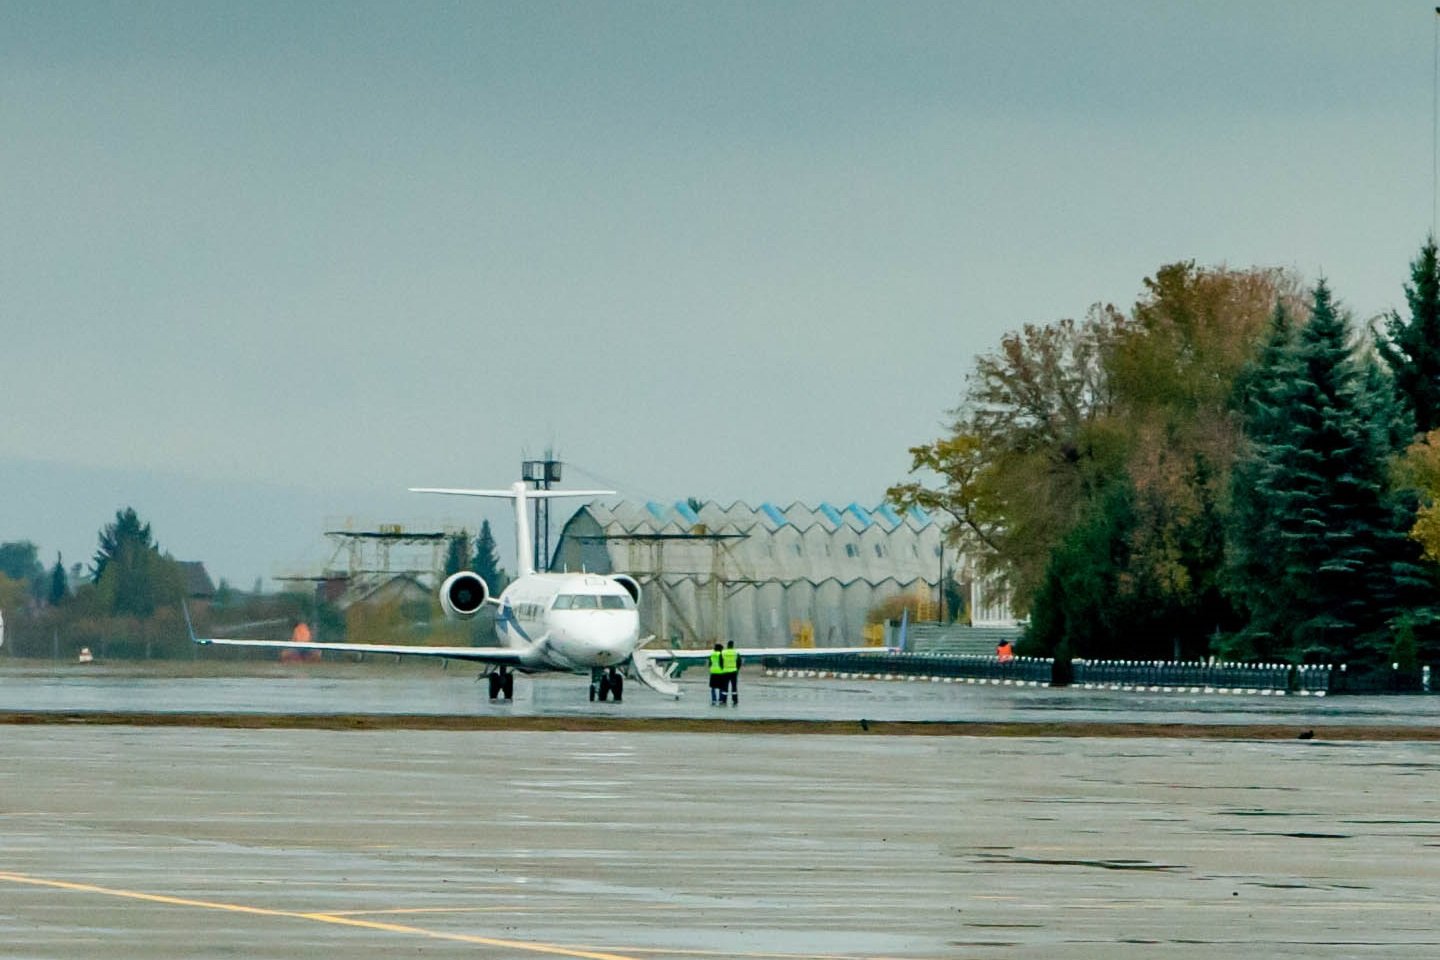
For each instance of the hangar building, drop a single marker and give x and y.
(763, 576)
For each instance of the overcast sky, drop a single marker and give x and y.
(267, 264)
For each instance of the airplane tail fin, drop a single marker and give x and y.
(520, 494)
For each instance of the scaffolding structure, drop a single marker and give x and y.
(373, 552)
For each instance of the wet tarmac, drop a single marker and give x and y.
(144, 842)
(424, 688)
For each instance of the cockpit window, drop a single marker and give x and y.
(590, 601)
(575, 601)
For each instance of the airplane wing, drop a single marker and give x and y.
(647, 663)
(507, 656)
(699, 655)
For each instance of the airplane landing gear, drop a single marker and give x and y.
(502, 684)
(606, 682)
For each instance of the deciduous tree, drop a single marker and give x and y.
(1025, 448)
(1173, 377)
(20, 560)
(1419, 469)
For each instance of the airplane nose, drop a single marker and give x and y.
(602, 641)
(616, 642)
(615, 648)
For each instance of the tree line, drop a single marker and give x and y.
(127, 603)
(1233, 467)
(129, 574)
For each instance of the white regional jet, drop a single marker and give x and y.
(551, 622)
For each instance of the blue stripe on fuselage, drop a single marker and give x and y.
(508, 619)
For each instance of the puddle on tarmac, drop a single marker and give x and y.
(1096, 864)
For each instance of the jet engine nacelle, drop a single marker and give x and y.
(631, 585)
(463, 594)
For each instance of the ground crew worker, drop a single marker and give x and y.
(299, 633)
(717, 676)
(730, 670)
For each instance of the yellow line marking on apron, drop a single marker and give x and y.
(374, 913)
(533, 947)
(348, 919)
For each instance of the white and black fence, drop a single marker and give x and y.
(1199, 676)
(940, 667)
(1202, 676)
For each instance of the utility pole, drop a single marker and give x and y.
(940, 583)
(541, 474)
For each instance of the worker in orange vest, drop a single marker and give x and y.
(300, 633)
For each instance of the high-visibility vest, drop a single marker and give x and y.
(715, 658)
(729, 660)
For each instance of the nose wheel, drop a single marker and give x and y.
(606, 682)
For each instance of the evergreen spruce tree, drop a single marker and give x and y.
(1411, 346)
(1393, 412)
(487, 561)
(132, 574)
(127, 533)
(1331, 572)
(59, 583)
(1252, 540)
(458, 552)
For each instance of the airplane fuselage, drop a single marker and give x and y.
(568, 621)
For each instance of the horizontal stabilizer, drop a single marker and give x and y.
(520, 495)
(511, 494)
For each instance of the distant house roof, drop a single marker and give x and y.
(198, 585)
(382, 589)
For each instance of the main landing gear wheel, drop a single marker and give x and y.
(502, 685)
(607, 683)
